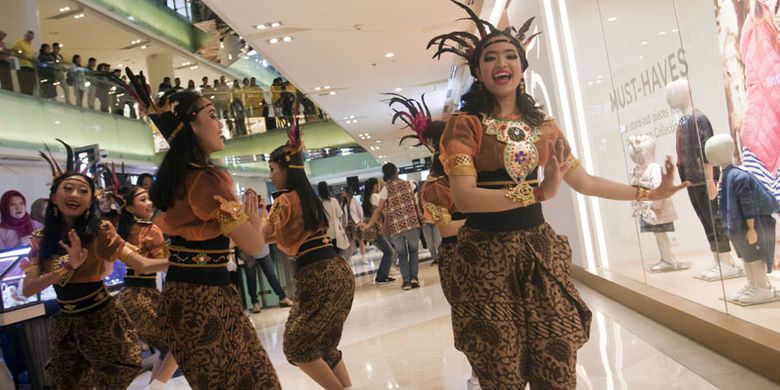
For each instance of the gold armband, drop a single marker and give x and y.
(573, 161)
(522, 194)
(128, 251)
(230, 215)
(439, 215)
(461, 165)
(60, 268)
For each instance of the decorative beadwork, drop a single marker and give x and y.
(520, 154)
(523, 194)
(230, 216)
(439, 215)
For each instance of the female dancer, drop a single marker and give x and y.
(140, 297)
(93, 341)
(516, 313)
(325, 283)
(200, 311)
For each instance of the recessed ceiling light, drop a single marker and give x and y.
(261, 26)
(612, 19)
(379, 141)
(590, 82)
(317, 89)
(398, 89)
(599, 77)
(287, 39)
(64, 9)
(676, 30)
(273, 41)
(144, 47)
(326, 87)
(119, 65)
(389, 55)
(351, 117)
(644, 43)
(662, 33)
(276, 24)
(194, 67)
(79, 16)
(332, 93)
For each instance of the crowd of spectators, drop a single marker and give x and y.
(46, 74)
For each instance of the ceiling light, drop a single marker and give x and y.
(676, 30)
(351, 117)
(186, 63)
(276, 24)
(61, 46)
(590, 82)
(599, 77)
(64, 9)
(273, 41)
(261, 26)
(612, 19)
(79, 16)
(193, 67)
(332, 93)
(379, 141)
(349, 121)
(662, 33)
(317, 88)
(119, 65)
(398, 89)
(389, 55)
(287, 39)
(144, 47)
(644, 43)
(326, 87)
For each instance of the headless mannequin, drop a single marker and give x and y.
(693, 130)
(754, 224)
(657, 216)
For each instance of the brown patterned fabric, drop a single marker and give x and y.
(141, 304)
(401, 213)
(446, 251)
(323, 300)
(213, 341)
(515, 311)
(99, 349)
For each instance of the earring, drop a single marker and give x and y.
(522, 87)
(86, 215)
(56, 212)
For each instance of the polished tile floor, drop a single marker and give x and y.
(398, 339)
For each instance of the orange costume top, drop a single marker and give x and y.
(149, 240)
(106, 246)
(287, 227)
(499, 152)
(208, 209)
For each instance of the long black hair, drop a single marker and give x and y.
(367, 192)
(479, 101)
(54, 229)
(323, 190)
(126, 218)
(184, 150)
(314, 217)
(389, 171)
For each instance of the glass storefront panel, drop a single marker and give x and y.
(636, 81)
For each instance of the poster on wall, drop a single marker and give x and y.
(750, 48)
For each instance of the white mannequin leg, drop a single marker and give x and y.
(760, 289)
(725, 260)
(665, 247)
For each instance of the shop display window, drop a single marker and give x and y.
(11, 276)
(636, 81)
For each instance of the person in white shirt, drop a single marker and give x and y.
(335, 213)
(354, 213)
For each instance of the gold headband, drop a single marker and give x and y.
(296, 166)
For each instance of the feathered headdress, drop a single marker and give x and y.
(70, 161)
(165, 119)
(415, 114)
(111, 190)
(470, 46)
(293, 149)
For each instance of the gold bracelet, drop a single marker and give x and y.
(642, 194)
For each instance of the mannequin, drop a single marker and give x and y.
(693, 131)
(747, 208)
(654, 216)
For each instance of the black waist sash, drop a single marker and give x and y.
(81, 298)
(313, 250)
(521, 218)
(449, 240)
(199, 262)
(134, 279)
